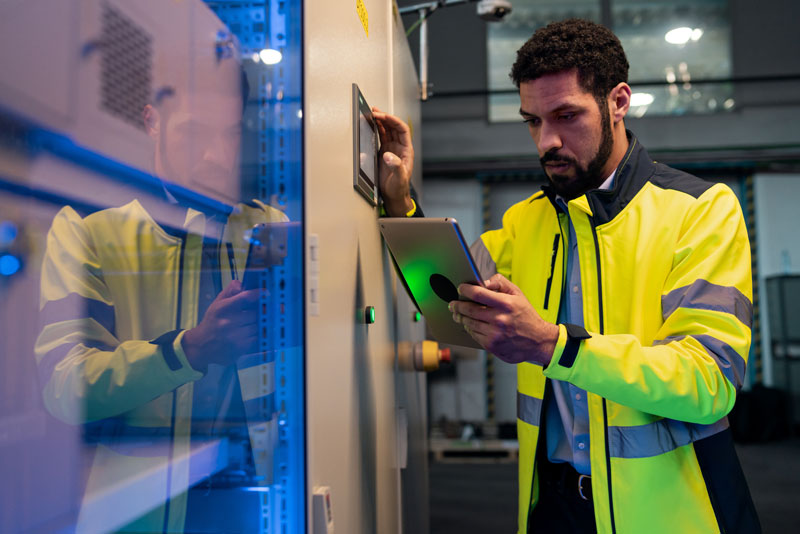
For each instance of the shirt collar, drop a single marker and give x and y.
(605, 186)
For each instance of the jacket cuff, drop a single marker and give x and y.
(173, 354)
(181, 355)
(570, 341)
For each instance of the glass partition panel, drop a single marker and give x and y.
(151, 375)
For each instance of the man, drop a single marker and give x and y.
(623, 292)
(146, 322)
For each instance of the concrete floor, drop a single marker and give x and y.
(469, 498)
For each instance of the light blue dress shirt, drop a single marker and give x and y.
(567, 414)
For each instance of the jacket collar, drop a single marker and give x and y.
(632, 173)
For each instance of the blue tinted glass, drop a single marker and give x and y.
(152, 347)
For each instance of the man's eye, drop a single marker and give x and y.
(531, 122)
(566, 116)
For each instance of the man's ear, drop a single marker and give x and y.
(619, 101)
(152, 121)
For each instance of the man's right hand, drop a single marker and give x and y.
(228, 330)
(396, 163)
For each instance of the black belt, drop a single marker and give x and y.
(563, 478)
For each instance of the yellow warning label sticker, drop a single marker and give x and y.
(363, 15)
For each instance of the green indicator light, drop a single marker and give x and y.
(417, 317)
(369, 314)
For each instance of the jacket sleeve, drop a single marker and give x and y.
(86, 372)
(494, 249)
(696, 363)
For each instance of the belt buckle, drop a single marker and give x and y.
(580, 485)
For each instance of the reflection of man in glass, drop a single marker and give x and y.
(147, 329)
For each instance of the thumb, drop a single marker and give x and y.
(391, 159)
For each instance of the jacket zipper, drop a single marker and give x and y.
(552, 268)
(605, 406)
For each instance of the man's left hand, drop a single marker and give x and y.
(502, 320)
(396, 163)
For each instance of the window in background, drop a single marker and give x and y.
(676, 44)
(673, 47)
(504, 39)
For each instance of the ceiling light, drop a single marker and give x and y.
(682, 35)
(641, 99)
(270, 56)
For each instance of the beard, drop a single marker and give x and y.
(586, 178)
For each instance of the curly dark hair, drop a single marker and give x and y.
(579, 44)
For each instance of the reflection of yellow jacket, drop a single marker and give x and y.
(117, 293)
(665, 270)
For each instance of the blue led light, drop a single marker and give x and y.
(9, 264)
(8, 233)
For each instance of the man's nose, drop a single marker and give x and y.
(548, 139)
(221, 151)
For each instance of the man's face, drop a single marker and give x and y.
(199, 140)
(572, 133)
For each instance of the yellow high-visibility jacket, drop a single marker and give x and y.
(667, 301)
(117, 293)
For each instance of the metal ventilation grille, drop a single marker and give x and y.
(127, 65)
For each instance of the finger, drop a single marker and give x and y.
(382, 132)
(395, 124)
(234, 288)
(244, 299)
(492, 284)
(500, 283)
(385, 142)
(475, 311)
(468, 318)
(482, 295)
(473, 327)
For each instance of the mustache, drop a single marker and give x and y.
(553, 157)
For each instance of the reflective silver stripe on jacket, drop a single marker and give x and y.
(730, 362)
(703, 295)
(529, 409)
(483, 260)
(658, 437)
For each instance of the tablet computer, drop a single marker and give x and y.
(433, 260)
